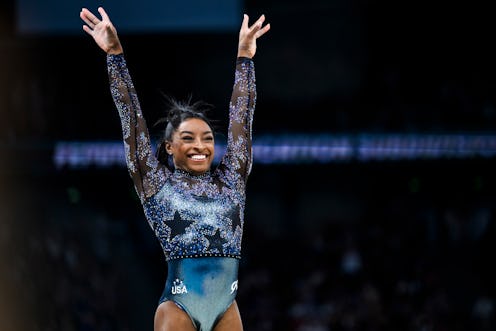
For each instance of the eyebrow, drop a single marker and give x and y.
(189, 132)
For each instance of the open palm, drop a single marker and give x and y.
(248, 36)
(102, 30)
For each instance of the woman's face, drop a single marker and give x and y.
(192, 146)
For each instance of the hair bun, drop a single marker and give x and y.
(186, 108)
(173, 113)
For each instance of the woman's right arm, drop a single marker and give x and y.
(147, 174)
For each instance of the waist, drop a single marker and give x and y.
(203, 255)
(203, 265)
(202, 275)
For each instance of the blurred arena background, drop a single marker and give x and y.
(371, 200)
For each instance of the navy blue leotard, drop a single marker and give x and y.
(198, 219)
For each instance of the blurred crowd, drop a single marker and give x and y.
(60, 268)
(427, 272)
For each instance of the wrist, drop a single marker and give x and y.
(245, 55)
(245, 52)
(115, 51)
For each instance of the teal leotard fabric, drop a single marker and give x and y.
(204, 288)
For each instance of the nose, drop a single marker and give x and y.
(199, 143)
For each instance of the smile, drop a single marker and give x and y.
(198, 157)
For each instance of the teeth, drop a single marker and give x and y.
(198, 157)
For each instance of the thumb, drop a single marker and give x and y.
(108, 27)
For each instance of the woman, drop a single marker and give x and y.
(196, 213)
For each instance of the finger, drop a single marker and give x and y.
(262, 31)
(89, 15)
(244, 24)
(258, 23)
(255, 28)
(86, 19)
(103, 13)
(88, 30)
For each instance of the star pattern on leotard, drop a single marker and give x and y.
(235, 220)
(177, 225)
(208, 225)
(215, 240)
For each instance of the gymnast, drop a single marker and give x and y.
(196, 212)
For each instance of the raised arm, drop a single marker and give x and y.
(238, 158)
(147, 174)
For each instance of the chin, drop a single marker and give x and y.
(198, 170)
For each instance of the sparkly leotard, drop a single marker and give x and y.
(198, 220)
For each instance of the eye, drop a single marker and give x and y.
(209, 138)
(187, 138)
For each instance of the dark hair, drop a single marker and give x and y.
(178, 112)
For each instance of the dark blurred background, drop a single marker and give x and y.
(400, 244)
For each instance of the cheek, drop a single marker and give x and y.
(212, 149)
(177, 147)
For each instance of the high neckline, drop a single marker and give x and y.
(183, 173)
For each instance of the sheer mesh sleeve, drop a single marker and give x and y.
(236, 163)
(147, 173)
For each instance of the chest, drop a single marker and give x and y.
(205, 203)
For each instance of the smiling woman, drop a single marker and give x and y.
(192, 146)
(188, 140)
(197, 214)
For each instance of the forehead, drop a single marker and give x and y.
(194, 125)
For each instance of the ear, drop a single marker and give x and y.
(168, 147)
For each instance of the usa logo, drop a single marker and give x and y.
(178, 287)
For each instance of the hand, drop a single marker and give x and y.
(247, 46)
(102, 31)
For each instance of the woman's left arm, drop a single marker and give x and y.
(238, 158)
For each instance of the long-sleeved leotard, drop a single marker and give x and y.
(197, 219)
(192, 216)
